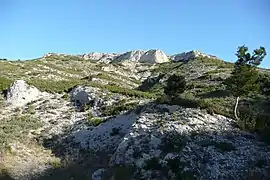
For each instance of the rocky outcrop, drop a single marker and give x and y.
(20, 93)
(100, 57)
(164, 138)
(79, 96)
(151, 56)
(154, 56)
(189, 56)
(133, 56)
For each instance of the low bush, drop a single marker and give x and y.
(15, 128)
(4, 83)
(95, 121)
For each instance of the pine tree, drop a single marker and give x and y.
(244, 78)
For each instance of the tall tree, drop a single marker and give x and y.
(244, 78)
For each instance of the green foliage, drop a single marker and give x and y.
(245, 58)
(4, 83)
(95, 121)
(176, 84)
(65, 96)
(243, 81)
(31, 109)
(122, 90)
(90, 116)
(244, 78)
(108, 77)
(54, 86)
(264, 81)
(214, 62)
(117, 109)
(15, 128)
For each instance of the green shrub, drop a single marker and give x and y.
(95, 121)
(54, 86)
(176, 84)
(65, 96)
(117, 109)
(121, 90)
(31, 109)
(4, 83)
(90, 116)
(15, 128)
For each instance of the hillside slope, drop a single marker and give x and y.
(69, 117)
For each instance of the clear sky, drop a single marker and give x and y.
(31, 28)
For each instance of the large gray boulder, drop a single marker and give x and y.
(79, 96)
(20, 93)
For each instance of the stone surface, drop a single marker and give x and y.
(79, 96)
(20, 93)
(133, 56)
(185, 56)
(154, 56)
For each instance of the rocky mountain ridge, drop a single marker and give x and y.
(151, 56)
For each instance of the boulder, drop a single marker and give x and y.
(20, 93)
(79, 96)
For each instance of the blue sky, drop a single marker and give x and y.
(31, 28)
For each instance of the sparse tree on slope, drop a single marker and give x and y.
(176, 84)
(244, 78)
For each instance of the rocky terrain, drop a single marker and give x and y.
(104, 116)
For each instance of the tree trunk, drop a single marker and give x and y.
(235, 108)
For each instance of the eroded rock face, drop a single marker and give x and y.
(133, 56)
(185, 56)
(100, 57)
(154, 56)
(20, 93)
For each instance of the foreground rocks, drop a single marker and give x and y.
(156, 141)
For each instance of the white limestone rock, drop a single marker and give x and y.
(133, 56)
(154, 56)
(100, 57)
(20, 93)
(186, 56)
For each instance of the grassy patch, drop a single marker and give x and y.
(54, 86)
(121, 90)
(15, 128)
(117, 109)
